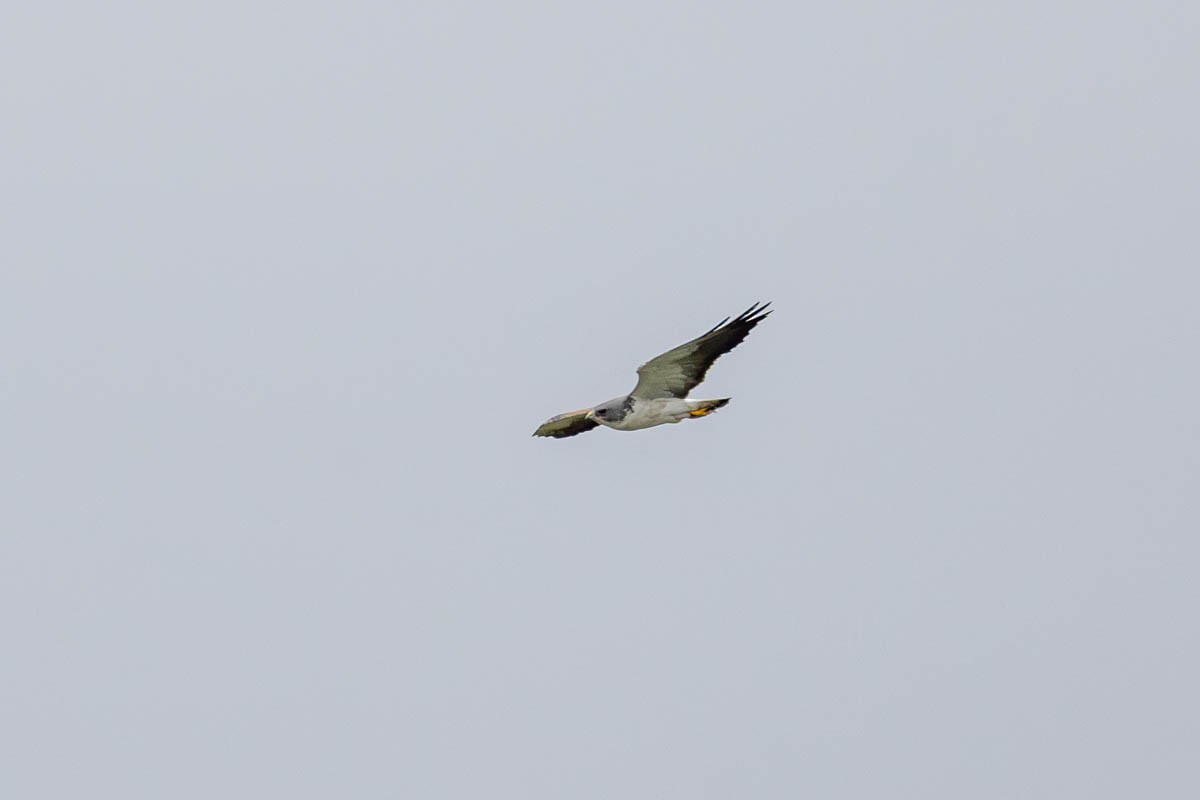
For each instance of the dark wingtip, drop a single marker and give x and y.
(758, 308)
(754, 313)
(749, 318)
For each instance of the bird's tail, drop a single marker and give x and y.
(702, 408)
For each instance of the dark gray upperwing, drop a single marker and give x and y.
(676, 372)
(568, 424)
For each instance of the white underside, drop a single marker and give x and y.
(648, 413)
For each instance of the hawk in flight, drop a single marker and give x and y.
(661, 394)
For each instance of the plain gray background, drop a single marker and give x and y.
(287, 286)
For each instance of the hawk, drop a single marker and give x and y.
(661, 394)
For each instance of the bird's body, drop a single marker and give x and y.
(661, 394)
(647, 413)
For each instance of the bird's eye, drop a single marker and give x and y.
(600, 412)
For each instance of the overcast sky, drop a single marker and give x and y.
(287, 286)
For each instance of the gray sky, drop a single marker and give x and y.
(287, 287)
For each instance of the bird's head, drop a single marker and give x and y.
(609, 412)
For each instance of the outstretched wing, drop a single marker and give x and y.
(567, 424)
(676, 372)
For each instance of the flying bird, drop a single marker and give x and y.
(661, 394)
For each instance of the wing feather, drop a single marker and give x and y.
(676, 372)
(568, 424)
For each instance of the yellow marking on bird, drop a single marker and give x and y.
(700, 412)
